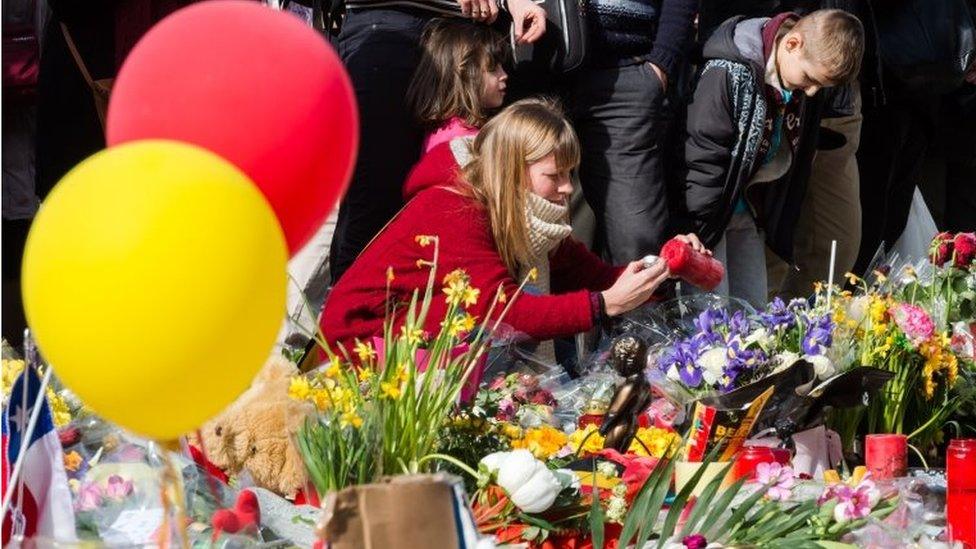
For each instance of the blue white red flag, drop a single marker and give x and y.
(41, 504)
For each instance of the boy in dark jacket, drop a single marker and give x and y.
(744, 131)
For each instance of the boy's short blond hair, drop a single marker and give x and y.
(835, 39)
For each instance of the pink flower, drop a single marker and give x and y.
(778, 478)
(696, 541)
(965, 248)
(89, 497)
(855, 503)
(542, 397)
(497, 384)
(914, 321)
(506, 410)
(118, 488)
(940, 250)
(528, 381)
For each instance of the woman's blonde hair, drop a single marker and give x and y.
(526, 132)
(449, 81)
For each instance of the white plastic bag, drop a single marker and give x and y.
(919, 231)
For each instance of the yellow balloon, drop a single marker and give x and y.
(154, 281)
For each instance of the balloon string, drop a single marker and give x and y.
(173, 503)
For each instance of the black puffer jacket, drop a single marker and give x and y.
(727, 121)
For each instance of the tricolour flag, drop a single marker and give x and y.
(41, 504)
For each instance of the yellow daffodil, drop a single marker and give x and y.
(350, 418)
(390, 277)
(365, 374)
(390, 390)
(413, 336)
(335, 367)
(470, 296)
(299, 388)
(365, 351)
(424, 239)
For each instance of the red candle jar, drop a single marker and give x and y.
(886, 456)
(961, 496)
(749, 457)
(695, 268)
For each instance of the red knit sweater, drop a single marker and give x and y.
(356, 306)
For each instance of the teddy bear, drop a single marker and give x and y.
(257, 433)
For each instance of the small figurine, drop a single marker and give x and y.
(628, 356)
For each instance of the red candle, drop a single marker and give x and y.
(886, 456)
(961, 497)
(748, 458)
(695, 268)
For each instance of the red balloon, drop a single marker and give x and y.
(256, 86)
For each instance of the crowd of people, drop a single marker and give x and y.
(761, 130)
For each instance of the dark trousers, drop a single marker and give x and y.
(620, 114)
(380, 48)
(894, 138)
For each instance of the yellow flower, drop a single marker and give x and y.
(502, 298)
(72, 460)
(350, 417)
(658, 441)
(512, 431)
(593, 441)
(299, 388)
(460, 324)
(389, 275)
(364, 351)
(414, 337)
(335, 367)
(60, 412)
(424, 240)
(470, 296)
(852, 278)
(456, 288)
(880, 276)
(543, 441)
(390, 390)
(11, 369)
(457, 275)
(365, 374)
(533, 274)
(402, 374)
(321, 399)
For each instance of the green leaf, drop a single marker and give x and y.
(722, 503)
(597, 517)
(638, 512)
(704, 501)
(678, 505)
(740, 512)
(655, 503)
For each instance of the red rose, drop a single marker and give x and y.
(965, 247)
(69, 436)
(940, 250)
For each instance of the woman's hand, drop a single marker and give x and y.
(528, 19)
(692, 240)
(634, 286)
(485, 11)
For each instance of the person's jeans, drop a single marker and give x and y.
(620, 116)
(381, 49)
(743, 252)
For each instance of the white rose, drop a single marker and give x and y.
(760, 336)
(527, 481)
(822, 365)
(713, 363)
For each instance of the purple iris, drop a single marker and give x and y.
(798, 305)
(819, 336)
(777, 315)
(683, 356)
(739, 324)
(709, 322)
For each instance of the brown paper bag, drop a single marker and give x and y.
(401, 512)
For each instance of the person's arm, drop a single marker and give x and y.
(675, 29)
(574, 267)
(709, 140)
(528, 18)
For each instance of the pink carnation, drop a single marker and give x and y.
(965, 248)
(914, 321)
